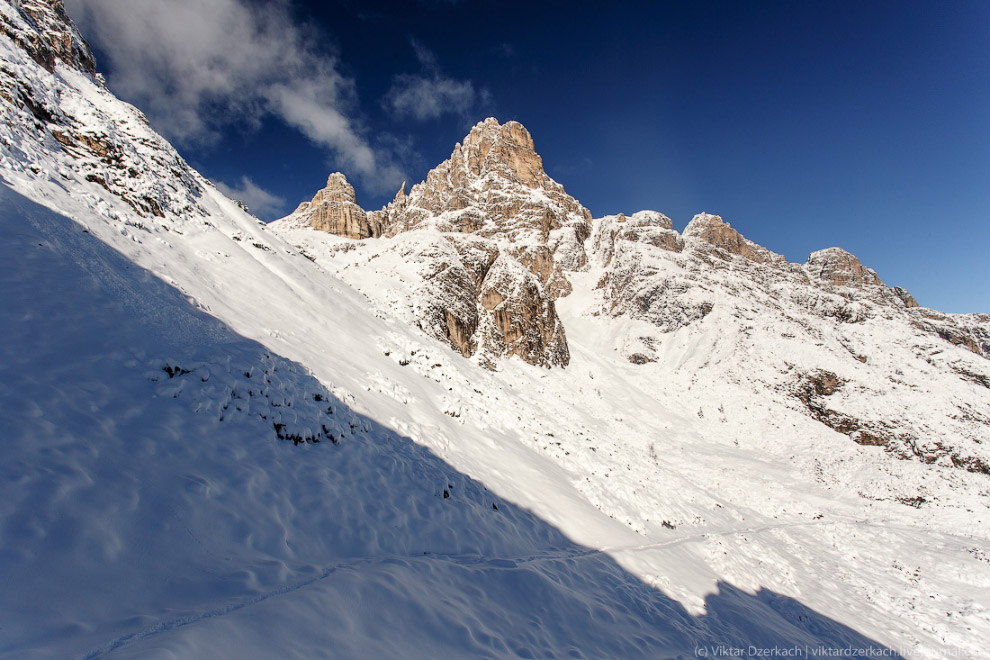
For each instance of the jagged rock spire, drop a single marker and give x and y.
(506, 150)
(506, 229)
(335, 210)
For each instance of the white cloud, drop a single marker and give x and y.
(262, 203)
(429, 98)
(197, 67)
(430, 94)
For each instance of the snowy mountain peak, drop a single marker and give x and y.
(494, 235)
(649, 219)
(337, 181)
(492, 185)
(506, 150)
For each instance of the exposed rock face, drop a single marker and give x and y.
(118, 152)
(839, 271)
(498, 235)
(335, 210)
(711, 229)
(520, 319)
(50, 35)
(631, 251)
(492, 185)
(838, 267)
(970, 331)
(814, 338)
(905, 297)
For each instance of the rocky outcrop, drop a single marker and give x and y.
(837, 267)
(647, 227)
(518, 317)
(116, 151)
(451, 276)
(335, 210)
(710, 229)
(905, 297)
(836, 270)
(631, 251)
(48, 36)
(498, 237)
(970, 331)
(492, 185)
(813, 391)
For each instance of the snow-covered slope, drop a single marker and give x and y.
(168, 361)
(154, 504)
(711, 382)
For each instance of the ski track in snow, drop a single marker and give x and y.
(488, 563)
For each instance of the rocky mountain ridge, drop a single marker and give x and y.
(117, 151)
(491, 204)
(494, 246)
(498, 235)
(43, 30)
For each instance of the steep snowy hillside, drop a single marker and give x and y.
(218, 448)
(707, 316)
(171, 489)
(705, 370)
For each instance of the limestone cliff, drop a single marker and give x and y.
(496, 239)
(335, 210)
(838, 267)
(720, 235)
(496, 235)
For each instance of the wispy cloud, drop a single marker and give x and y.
(430, 94)
(262, 203)
(197, 68)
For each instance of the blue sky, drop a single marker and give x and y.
(804, 124)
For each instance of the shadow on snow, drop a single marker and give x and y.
(150, 508)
